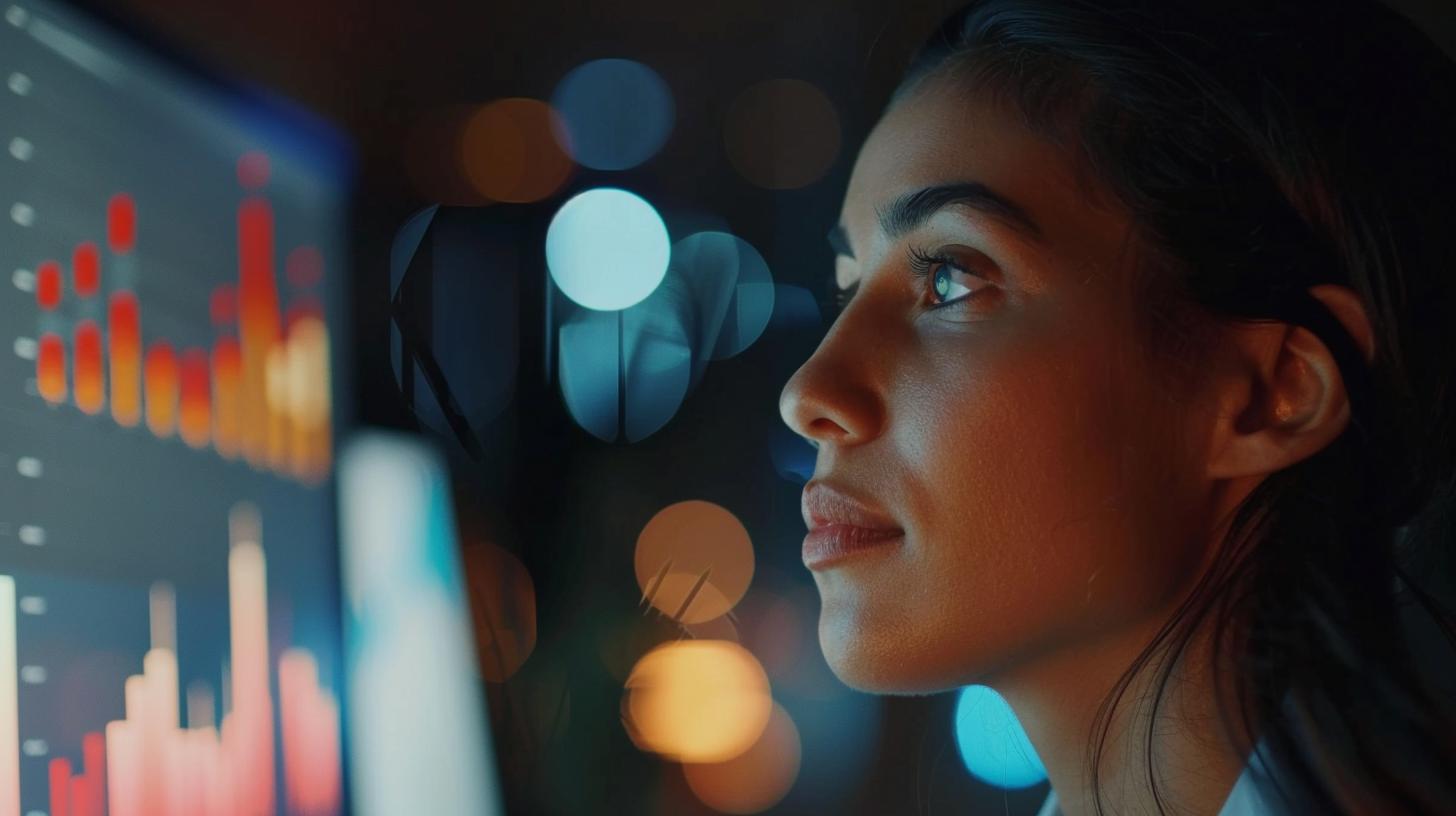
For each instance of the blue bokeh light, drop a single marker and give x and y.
(607, 249)
(736, 288)
(992, 742)
(615, 113)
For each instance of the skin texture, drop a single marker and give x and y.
(1060, 491)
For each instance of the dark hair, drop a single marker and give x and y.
(1262, 148)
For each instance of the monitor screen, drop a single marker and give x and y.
(171, 255)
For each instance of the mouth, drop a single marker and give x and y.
(843, 527)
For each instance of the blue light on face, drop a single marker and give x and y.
(615, 113)
(607, 249)
(992, 742)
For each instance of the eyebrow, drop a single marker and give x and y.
(913, 209)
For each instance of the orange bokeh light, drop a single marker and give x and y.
(694, 561)
(503, 602)
(756, 779)
(508, 151)
(697, 701)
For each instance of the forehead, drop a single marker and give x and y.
(945, 133)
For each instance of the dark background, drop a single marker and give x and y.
(567, 504)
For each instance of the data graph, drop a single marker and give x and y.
(152, 761)
(261, 392)
(172, 257)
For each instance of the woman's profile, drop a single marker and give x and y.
(1140, 407)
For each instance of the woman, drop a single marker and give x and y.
(1140, 408)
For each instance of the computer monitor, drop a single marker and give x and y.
(172, 252)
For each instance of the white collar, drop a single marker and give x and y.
(1244, 800)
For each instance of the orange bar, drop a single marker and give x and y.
(121, 224)
(278, 385)
(60, 776)
(86, 269)
(227, 373)
(195, 423)
(309, 403)
(90, 389)
(258, 320)
(124, 335)
(161, 387)
(48, 285)
(50, 368)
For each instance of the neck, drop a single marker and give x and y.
(1196, 761)
(1197, 755)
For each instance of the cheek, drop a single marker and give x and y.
(1036, 489)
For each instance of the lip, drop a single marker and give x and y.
(842, 526)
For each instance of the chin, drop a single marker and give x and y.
(885, 663)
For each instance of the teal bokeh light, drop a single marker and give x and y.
(992, 742)
(615, 113)
(607, 249)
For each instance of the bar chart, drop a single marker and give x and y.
(172, 254)
(159, 761)
(260, 392)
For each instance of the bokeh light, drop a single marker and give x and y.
(607, 249)
(694, 561)
(737, 290)
(782, 134)
(755, 780)
(795, 308)
(838, 727)
(615, 113)
(589, 371)
(697, 701)
(644, 349)
(503, 604)
(454, 314)
(992, 742)
(658, 357)
(509, 153)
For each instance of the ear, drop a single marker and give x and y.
(1282, 399)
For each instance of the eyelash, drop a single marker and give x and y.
(921, 262)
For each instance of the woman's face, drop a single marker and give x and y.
(989, 391)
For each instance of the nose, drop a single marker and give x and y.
(833, 397)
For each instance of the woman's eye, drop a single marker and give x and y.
(945, 286)
(944, 278)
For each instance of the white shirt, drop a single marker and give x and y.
(1244, 800)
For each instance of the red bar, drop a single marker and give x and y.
(161, 389)
(60, 777)
(258, 322)
(50, 368)
(90, 390)
(48, 285)
(124, 335)
(121, 224)
(195, 423)
(227, 374)
(93, 752)
(78, 793)
(86, 269)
